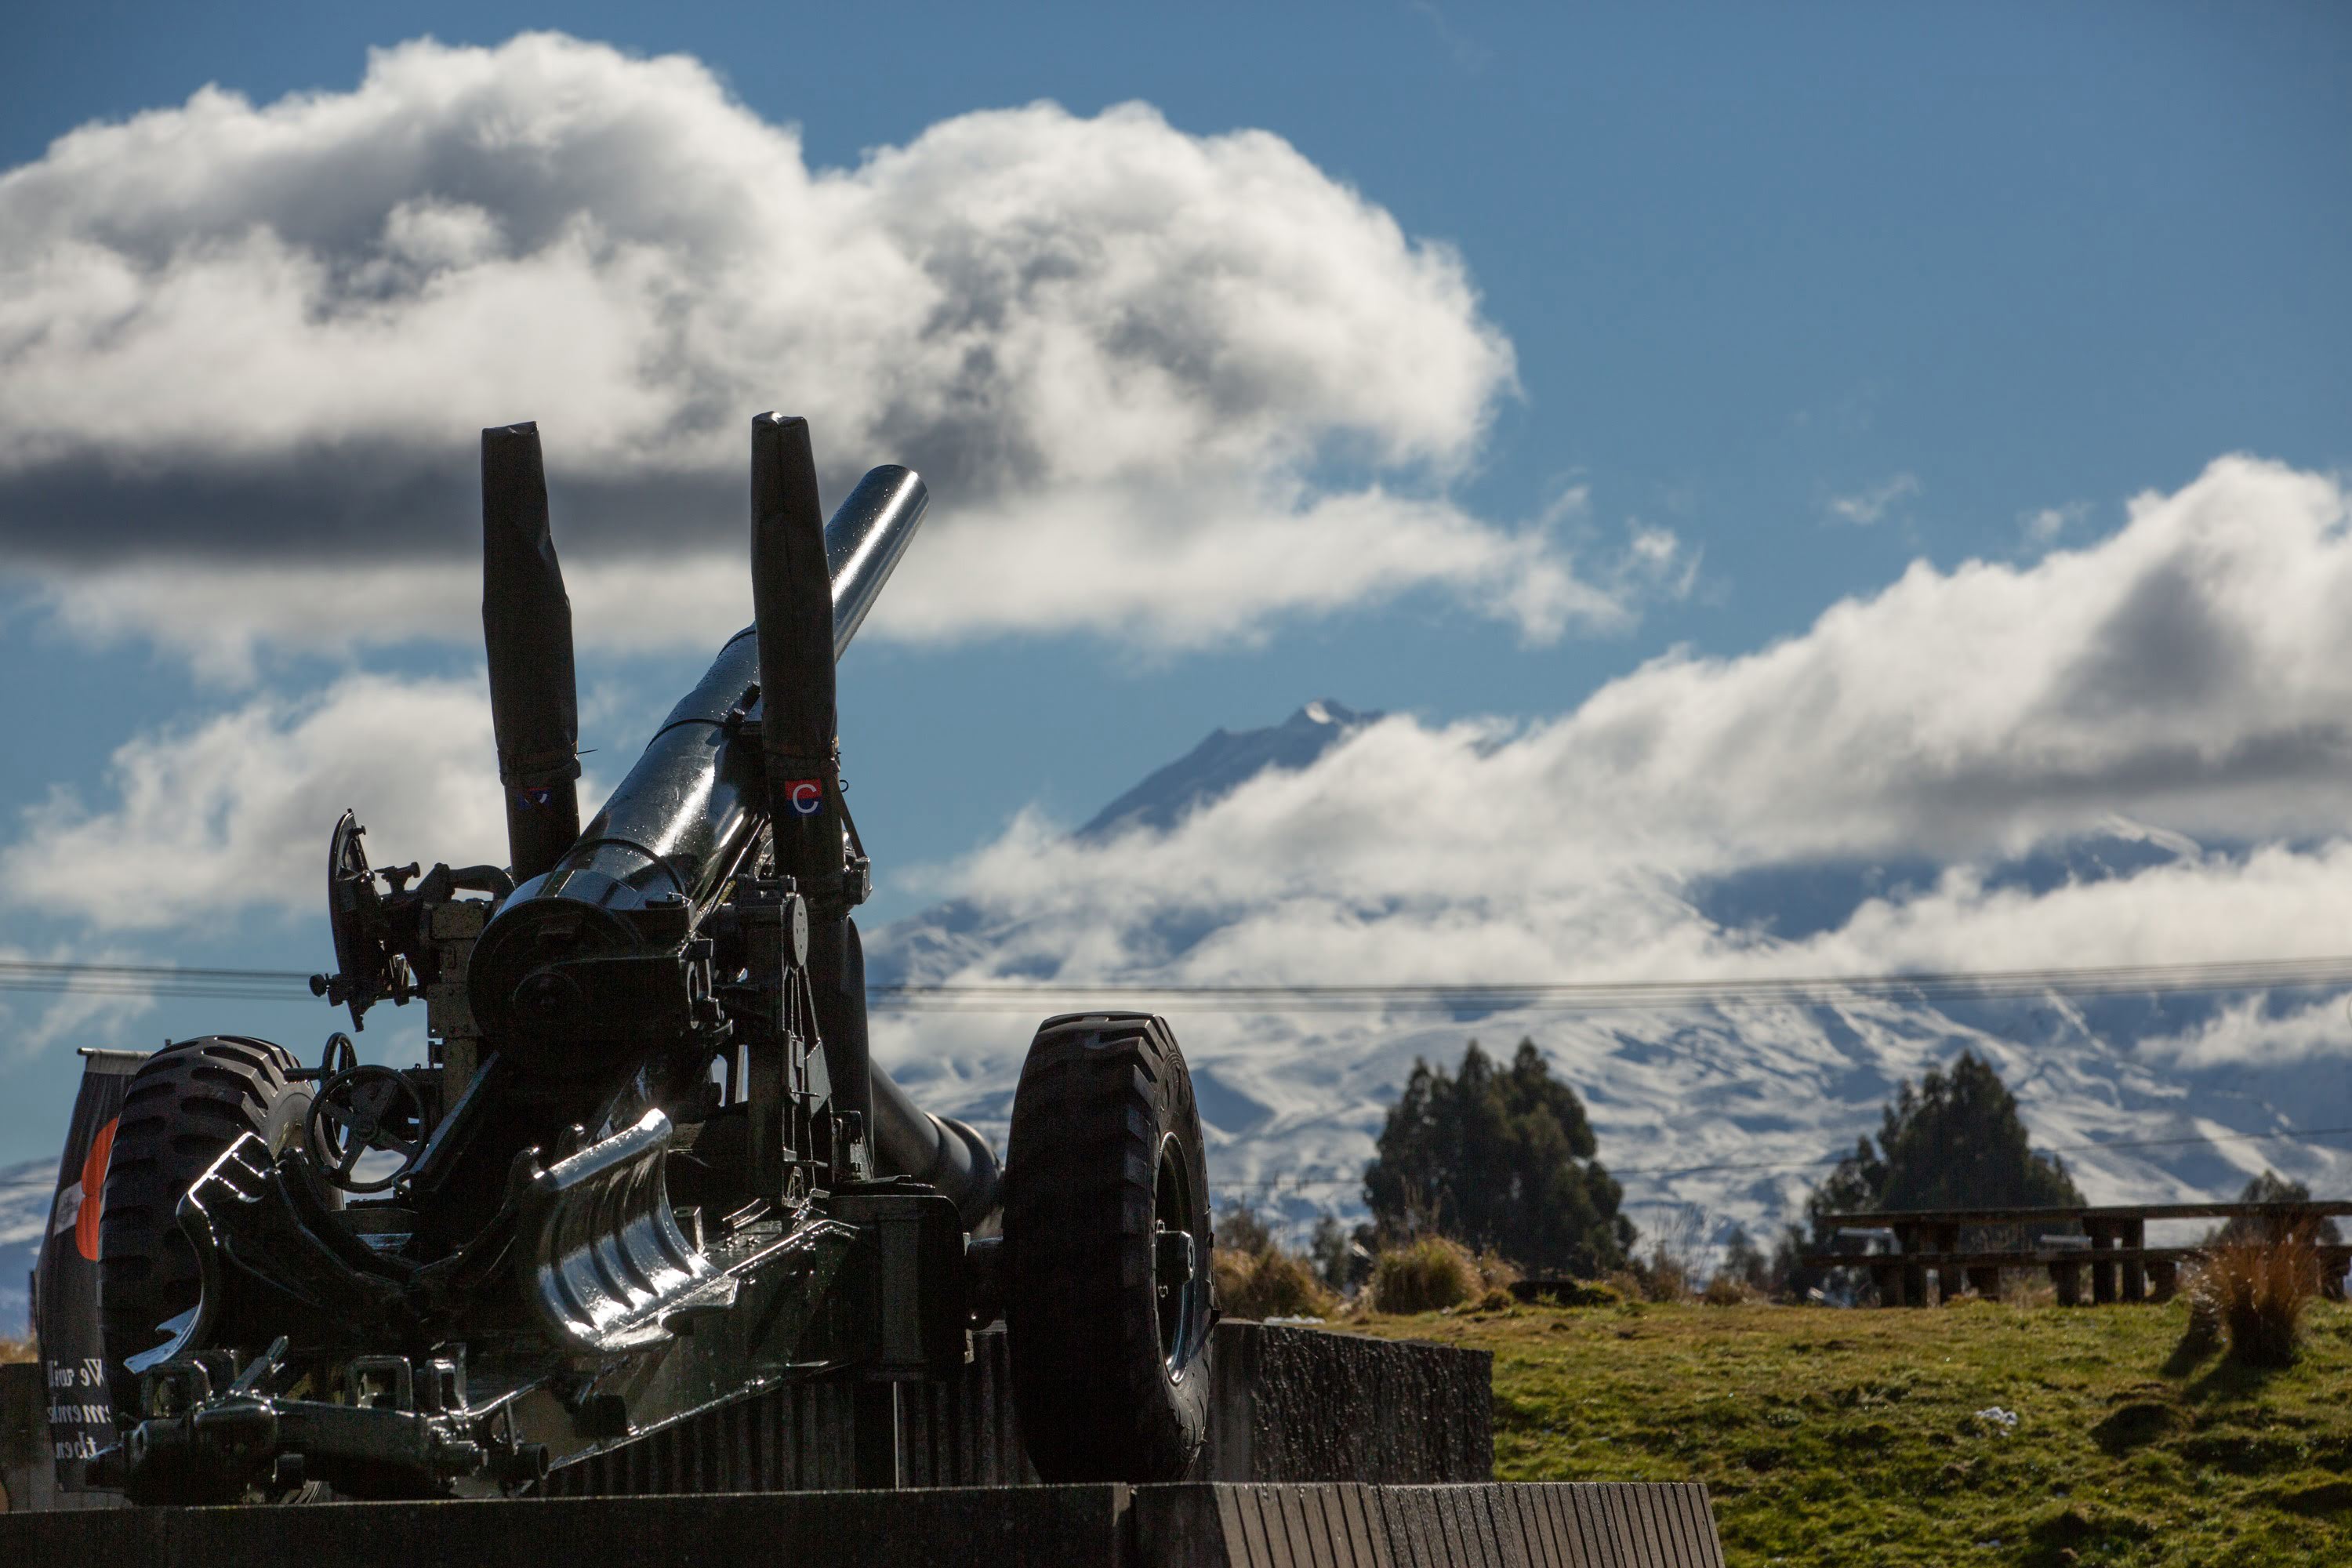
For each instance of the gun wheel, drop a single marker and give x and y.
(1107, 1240)
(186, 1103)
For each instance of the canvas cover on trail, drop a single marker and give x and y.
(65, 1279)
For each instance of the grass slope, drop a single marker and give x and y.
(1855, 1437)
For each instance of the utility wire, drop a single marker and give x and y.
(1016, 996)
(2298, 974)
(154, 980)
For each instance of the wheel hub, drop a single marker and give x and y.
(1179, 1266)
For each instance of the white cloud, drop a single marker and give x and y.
(250, 346)
(1866, 506)
(232, 812)
(207, 612)
(2254, 1031)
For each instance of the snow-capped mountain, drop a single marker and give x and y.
(1224, 760)
(1726, 1110)
(25, 1193)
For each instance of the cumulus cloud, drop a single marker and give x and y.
(231, 813)
(1158, 380)
(2190, 674)
(1187, 574)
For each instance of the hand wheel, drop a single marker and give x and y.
(341, 1056)
(362, 1109)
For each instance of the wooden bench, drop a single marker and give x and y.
(2112, 1246)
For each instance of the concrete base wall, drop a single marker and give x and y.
(1194, 1526)
(1301, 1404)
(1287, 1404)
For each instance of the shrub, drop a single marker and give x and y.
(2255, 1288)
(15, 1350)
(1423, 1276)
(1495, 1272)
(1660, 1277)
(1242, 1230)
(1270, 1284)
(1727, 1289)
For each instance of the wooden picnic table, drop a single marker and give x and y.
(2112, 1248)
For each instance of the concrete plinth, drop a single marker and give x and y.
(1320, 1414)
(1300, 1405)
(1193, 1526)
(1288, 1403)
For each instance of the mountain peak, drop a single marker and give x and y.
(1224, 763)
(1325, 711)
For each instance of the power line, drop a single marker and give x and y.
(154, 980)
(1576, 995)
(2299, 974)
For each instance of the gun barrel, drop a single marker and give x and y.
(863, 541)
(910, 1141)
(678, 827)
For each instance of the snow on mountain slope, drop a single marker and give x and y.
(25, 1190)
(1726, 1109)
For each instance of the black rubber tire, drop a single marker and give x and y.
(186, 1103)
(1103, 1124)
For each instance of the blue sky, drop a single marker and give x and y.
(1955, 269)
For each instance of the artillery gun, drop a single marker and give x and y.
(650, 1168)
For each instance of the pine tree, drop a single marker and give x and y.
(2270, 1187)
(1501, 1158)
(1956, 1142)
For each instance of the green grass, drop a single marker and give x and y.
(1852, 1438)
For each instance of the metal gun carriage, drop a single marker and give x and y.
(650, 1167)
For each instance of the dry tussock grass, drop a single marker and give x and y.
(1428, 1274)
(1270, 1284)
(2253, 1291)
